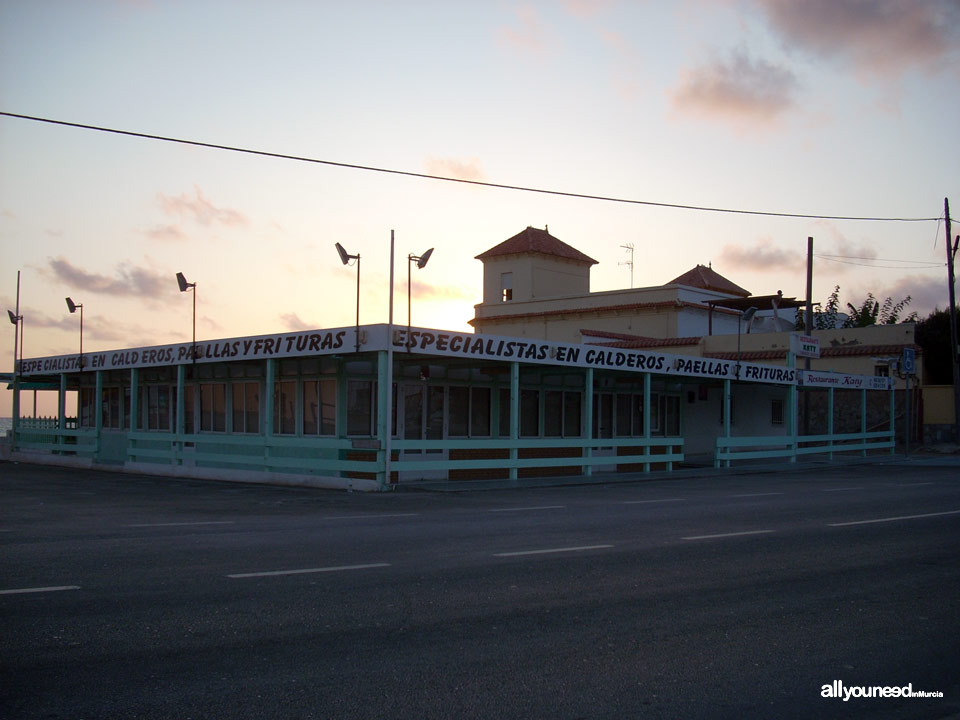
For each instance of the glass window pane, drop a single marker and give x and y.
(220, 407)
(435, 413)
(459, 411)
(529, 413)
(163, 407)
(359, 394)
(328, 407)
(552, 413)
(252, 407)
(311, 407)
(206, 407)
(624, 415)
(412, 412)
(285, 412)
(189, 422)
(571, 414)
(480, 412)
(504, 412)
(638, 415)
(239, 398)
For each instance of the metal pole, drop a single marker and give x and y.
(17, 367)
(81, 336)
(409, 260)
(193, 347)
(357, 346)
(388, 440)
(954, 347)
(808, 329)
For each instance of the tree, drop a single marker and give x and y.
(868, 312)
(933, 336)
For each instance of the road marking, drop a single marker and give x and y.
(552, 550)
(726, 535)
(647, 502)
(894, 519)
(306, 571)
(56, 588)
(912, 484)
(757, 494)
(369, 517)
(841, 489)
(534, 507)
(182, 524)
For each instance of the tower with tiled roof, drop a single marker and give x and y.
(532, 265)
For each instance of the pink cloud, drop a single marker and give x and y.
(528, 34)
(739, 88)
(452, 167)
(764, 255)
(200, 209)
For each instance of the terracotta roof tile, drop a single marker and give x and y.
(534, 240)
(708, 279)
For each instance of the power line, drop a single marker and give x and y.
(884, 267)
(425, 176)
(855, 257)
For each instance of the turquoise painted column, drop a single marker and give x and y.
(794, 406)
(830, 420)
(98, 412)
(62, 409)
(268, 399)
(181, 414)
(893, 414)
(588, 419)
(383, 417)
(726, 422)
(647, 420)
(863, 420)
(514, 416)
(134, 413)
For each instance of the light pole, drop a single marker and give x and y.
(746, 316)
(345, 258)
(421, 261)
(72, 307)
(184, 286)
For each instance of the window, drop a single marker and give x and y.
(246, 407)
(733, 410)
(480, 412)
(111, 409)
(213, 407)
(572, 414)
(87, 407)
(360, 412)
(625, 416)
(776, 411)
(529, 413)
(561, 414)
(189, 419)
(881, 370)
(671, 415)
(320, 407)
(506, 287)
(285, 407)
(503, 412)
(158, 407)
(458, 422)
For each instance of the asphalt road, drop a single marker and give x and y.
(715, 597)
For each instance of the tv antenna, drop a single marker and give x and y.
(629, 247)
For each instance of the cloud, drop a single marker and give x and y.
(764, 255)
(925, 293)
(166, 233)
(739, 88)
(292, 322)
(128, 280)
(587, 8)
(529, 34)
(881, 36)
(200, 209)
(423, 290)
(460, 169)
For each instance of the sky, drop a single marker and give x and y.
(820, 107)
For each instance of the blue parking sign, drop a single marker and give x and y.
(909, 360)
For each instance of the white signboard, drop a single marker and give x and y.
(810, 378)
(804, 345)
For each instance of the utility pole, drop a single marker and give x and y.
(954, 348)
(808, 329)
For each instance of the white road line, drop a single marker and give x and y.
(894, 519)
(534, 507)
(648, 502)
(726, 535)
(841, 489)
(182, 524)
(552, 550)
(757, 494)
(369, 517)
(55, 588)
(912, 484)
(306, 571)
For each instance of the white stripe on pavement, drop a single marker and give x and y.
(55, 588)
(535, 507)
(726, 535)
(648, 502)
(841, 489)
(182, 524)
(369, 517)
(552, 550)
(764, 494)
(305, 571)
(894, 519)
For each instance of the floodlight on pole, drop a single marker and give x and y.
(184, 287)
(421, 261)
(345, 258)
(73, 307)
(745, 316)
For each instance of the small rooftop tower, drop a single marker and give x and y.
(533, 265)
